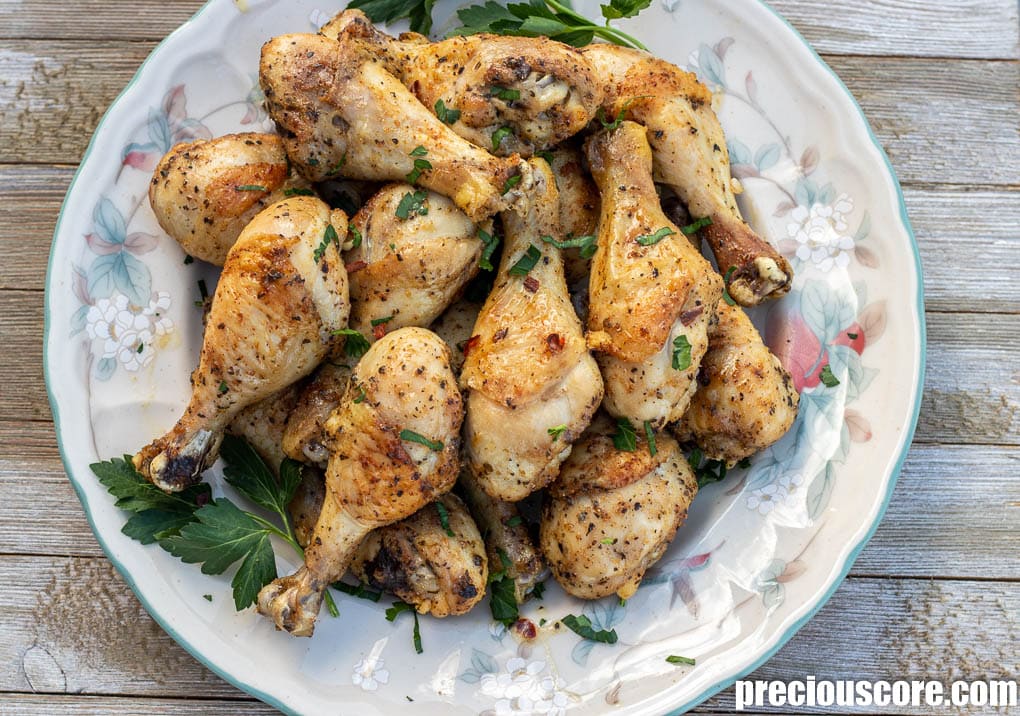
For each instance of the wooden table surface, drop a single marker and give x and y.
(936, 594)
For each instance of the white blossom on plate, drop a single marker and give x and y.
(128, 331)
(821, 233)
(369, 673)
(525, 688)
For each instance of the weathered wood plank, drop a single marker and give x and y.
(889, 629)
(23, 395)
(942, 121)
(88, 634)
(968, 28)
(968, 239)
(47, 705)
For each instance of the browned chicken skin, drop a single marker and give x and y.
(541, 90)
(691, 157)
(532, 385)
(343, 114)
(205, 192)
(272, 320)
(612, 514)
(651, 294)
(380, 469)
(745, 399)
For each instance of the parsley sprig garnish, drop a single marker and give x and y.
(503, 592)
(581, 625)
(398, 608)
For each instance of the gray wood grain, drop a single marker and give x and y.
(967, 28)
(47, 705)
(941, 121)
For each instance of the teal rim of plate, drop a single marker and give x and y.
(706, 694)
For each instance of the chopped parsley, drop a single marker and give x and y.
(222, 388)
(547, 156)
(609, 541)
(355, 344)
(445, 114)
(582, 627)
(652, 239)
(420, 165)
(620, 115)
(329, 236)
(696, 225)
(726, 286)
(297, 191)
(189, 259)
(680, 660)
(356, 236)
(681, 353)
(499, 135)
(444, 518)
(513, 521)
(413, 204)
(399, 607)
(506, 94)
(511, 182)
(250, 187)
(503, 593)
(828, 379)
(358, 591)
(362, 396)
(556, 431)
(538, 590)
(624, 438)
(413, 437)
(650, 438)
(489, 244)
(526, 262)
(381, 321)
(335, 169)
(587, 244)
(709, 471)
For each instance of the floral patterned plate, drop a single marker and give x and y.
(760, 552)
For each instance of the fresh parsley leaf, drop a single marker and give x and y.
(581, 625)
(696, 226)
(223, 535)
(828, 379)
(247, 472)
(609, 541)
(362, 396)
(444, 518)
(151, 526)
(587, 244)
(526, 262)
(356, 237)
(297, 191)
(419, 12)
(623, 8)
(681, 353)
(398, 608)
(381, 321)
(413, 437)
(706, 471)
(419, 151)
(498, 136)
(506, 94)
(420, 165)
(624, 438)
(222, 388)
(360, 591)
(650, 438)
(490, 242)
(136, 494)
(207, 597)
(680, 660)
(538, 591)
(355, 344)
(445, 114)
(726, 286)
(415, 204)
(514, 521)
(250, 187)
(511, 182)
(652, 239)
(503, 599)
(547, 156)
(556, 431)
(329, 236)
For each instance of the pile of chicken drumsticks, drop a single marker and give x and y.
(606, 342)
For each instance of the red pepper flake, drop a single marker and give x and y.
(531, 284)
(555, 342)
(500, 335)
(687, 317)
(379, 331)
(470, 344)
(356, 266)
(525, 628)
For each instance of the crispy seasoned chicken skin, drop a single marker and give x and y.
(409, 269)
(746, 400)
(612, 514)
(532, 385)
(579, 211)
(380, 467)
(652, 295)
(304, 435)
(272, 321)
(418, 561)
(543, 91)
(343, 114)
(455, 327)
(691, 157)
(205, 192)
(505, 535)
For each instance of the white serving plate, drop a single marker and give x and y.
(760, 553)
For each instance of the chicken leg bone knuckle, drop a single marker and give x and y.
(342, 113)
(272, 321)
(393, 443)
(651, 294)
(419, 561)
(612, 514)
(410, 269)
(745, 400)
(203, 193)
(691, 158)
(541, 90)
(528, 368)
(506, 536)
(304, 438)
